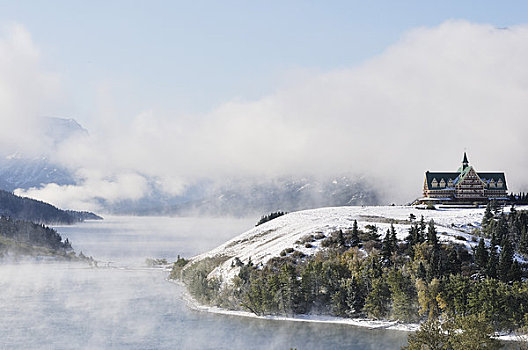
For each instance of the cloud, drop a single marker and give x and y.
(26, 91)
(415, 107)
(94, 187)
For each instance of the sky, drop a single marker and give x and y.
(183, 90)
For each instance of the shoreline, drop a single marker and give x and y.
(355, 322)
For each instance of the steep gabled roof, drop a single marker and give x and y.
(429, 176)
(456, 176)
(487, 177)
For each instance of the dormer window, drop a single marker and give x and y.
(442, 183)
(499, 183)
(434, 183)
(450, 183)
(492, 184)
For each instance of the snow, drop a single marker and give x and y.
(268, 240)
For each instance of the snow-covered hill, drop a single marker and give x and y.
(270, 239)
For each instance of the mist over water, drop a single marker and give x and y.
(128, 306)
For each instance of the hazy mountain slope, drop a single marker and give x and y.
(36, 211)
(22, 171)
(254, 197)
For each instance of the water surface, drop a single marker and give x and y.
(127, 306)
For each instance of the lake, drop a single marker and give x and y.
(124, 305)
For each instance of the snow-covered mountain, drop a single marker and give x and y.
(23, 171)
(268, 240)
(20, 172)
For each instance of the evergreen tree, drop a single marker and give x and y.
(373, 233)
(493, 260)
(515, 273)
(403, 295)
(354, 238)
(422, 227)
(355, 295)
(377, 304)
(523, 244)
(393, 238)
(430, 336)
(501, 229)
(453, 265)
(505, 259)
(387, 247)
(411, 237)
(488, 216)
(432, 237)
(289, 290)
(481, 255)
(493, 240)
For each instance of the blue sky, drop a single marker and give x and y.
(192, 56)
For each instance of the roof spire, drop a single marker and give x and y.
(465, 161)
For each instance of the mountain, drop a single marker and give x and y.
(21, 171)
(21, 208)
(243, 197)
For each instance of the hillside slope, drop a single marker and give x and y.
(268, 240)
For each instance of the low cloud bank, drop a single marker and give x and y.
(417, 106)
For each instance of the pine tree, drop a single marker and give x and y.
(493, 260)
(421, 230)
(515, 273)
(493, 241)
(387, 247)
(481, 255)
(393, 238)
(502, 229)
(403, 295)
(454, 265)
(523, 244)
(488, 216)
(373, 232)
(354, 238)
(505, 259)
(432, 237)
(355, 296)
(341, 239)
(377, 303)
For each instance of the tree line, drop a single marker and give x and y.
(271, 216)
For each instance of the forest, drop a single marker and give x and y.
(23, 239)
